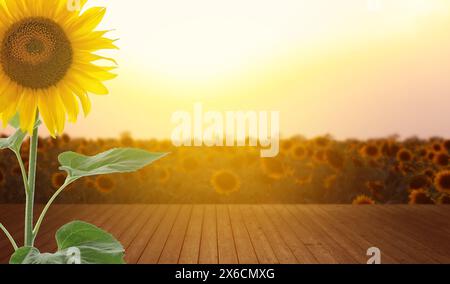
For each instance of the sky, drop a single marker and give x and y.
(350, 68)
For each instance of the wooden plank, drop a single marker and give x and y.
(174, 244)
(338, 252)
(386, 240)
(259, 240)
(208, 245)
(118, 219)
(229, 234)
(442, 211)
(423, 237)
(282, 252)
(133, 231)
(319, 250)
(301, 252)
(420, 235)
(153, 250)
(225, 238)
(121, 225)
(137, 246)
(334, 238)
(191, 247)
(244, 247)
(425, 216)
(357, 245)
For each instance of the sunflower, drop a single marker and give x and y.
(441, 159)
(404, 156)
(322, 142)
(442, 181)
(363, 200)
(420, 196)
(2, 177)
(299, 152)
(330, 181)
(286, 145)
(273, 168)
(104, 184)
(429, 173)
(371, 151)
(89, 183)
(190, 164)
(47, 61)
(437, 147)
(225, 182)
(163, 175)
(419, 182)
(444, 199)
(447, 145)
(319, 156)
(58, 179)
(431, 156)
(335, 159)
(376, 188)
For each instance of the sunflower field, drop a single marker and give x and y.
(319, 170)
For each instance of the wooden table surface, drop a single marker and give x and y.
(268, 234)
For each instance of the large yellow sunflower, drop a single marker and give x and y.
(47, 61)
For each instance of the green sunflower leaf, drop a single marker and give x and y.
(119, 160)
(13, 142)
(78, 243)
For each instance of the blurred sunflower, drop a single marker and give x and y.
(16, 171)
(442, 181)
(273, 168)
(104, 184)
(404, 156)
(419, 182)
(371, 151)
(420, 196)
(2, 177)
(286, 145)
(447, 145)
(429, 173)
(46, 61)
(225, 182)
(444, 199)
(363, 200)
(89, 183)
(330, 181)
(335, 159)
(322, 142)
(58, 179)
(163, 175)
(65, 138)
(441, 160)
(319, 156)
(189, 164)
(376, 188)
(437, 147)
(299, 152)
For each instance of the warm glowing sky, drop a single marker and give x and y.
(328, 66)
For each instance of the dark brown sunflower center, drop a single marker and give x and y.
(36, 53)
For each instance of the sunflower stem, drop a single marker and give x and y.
(29, 205)
(10, 238)
(23, 170)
